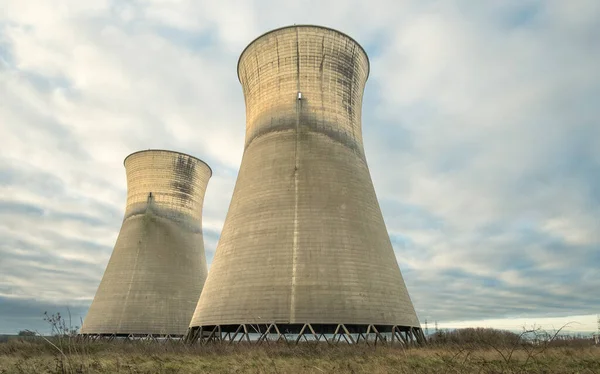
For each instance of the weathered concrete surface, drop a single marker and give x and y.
(304, 239)
(158, 267)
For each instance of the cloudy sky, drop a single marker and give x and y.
(481, 128)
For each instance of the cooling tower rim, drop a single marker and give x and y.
(304, 25)
(168, 151)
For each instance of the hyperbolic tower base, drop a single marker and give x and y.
(157, 268)
(304, 248)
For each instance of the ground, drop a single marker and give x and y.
(68, 356)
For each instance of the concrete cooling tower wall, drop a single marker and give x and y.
(158, 267)
(304, 241)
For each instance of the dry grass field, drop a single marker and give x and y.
(71, 356)
(473, 350)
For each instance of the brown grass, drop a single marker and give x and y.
(41, 356)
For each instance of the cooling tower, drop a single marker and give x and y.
(304, 240)
(157, 269)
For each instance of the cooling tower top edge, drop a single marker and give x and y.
(303, 25)
(169, 151)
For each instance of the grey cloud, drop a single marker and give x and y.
(28, 314)
(467, 296)
(57, 268)
(17, 208)
(211, 235)
(13, 208)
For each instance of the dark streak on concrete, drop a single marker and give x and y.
(184, 176)
(185, 221)
(309, 123)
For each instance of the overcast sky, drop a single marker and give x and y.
(481, 129)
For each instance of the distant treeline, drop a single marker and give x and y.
(482, 337)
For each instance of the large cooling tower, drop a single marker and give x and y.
(157, 269)
(304, 241)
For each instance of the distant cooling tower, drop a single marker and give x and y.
(157, 269)
(304, 248)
